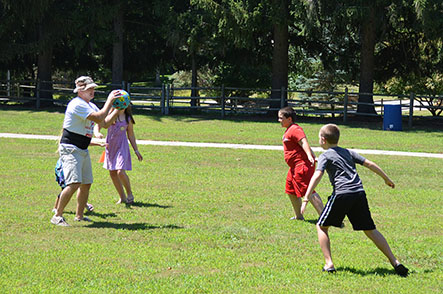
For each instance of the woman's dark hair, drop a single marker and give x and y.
(288, 112)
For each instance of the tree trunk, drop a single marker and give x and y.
(279, 77)
(194, 82)
(44, 71)
(117, 50)
(368, 35)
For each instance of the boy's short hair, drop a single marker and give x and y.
(288, 112)
(331, 133)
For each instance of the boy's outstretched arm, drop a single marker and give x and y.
(316, 177)
(376, 169)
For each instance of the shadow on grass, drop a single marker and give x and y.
(101, 215)
(94, 213)
(143, 204)
(383, 272)
(311, 221)
(130, 227)
(315, 221)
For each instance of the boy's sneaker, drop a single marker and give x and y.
(89, 207)
(84, 219)
(330, 270)
(401, 270)
(59, 221)
(130, 199)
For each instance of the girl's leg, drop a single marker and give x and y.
(325, 245)
(382, 245)
(82, 199)
(296, 205)
(118, 185)
(317, 203)
(124, 179)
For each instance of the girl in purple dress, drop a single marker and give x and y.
(118, 157)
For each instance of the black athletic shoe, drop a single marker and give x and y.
(401, 270)
(330, 270)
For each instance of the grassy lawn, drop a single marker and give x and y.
(209, 220)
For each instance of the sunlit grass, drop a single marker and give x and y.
(211, 220)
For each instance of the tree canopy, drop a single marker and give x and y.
(396, 46)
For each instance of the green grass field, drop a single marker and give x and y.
(210, 220)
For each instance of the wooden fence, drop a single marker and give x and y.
(228, 100)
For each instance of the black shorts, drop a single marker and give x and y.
(353, 205)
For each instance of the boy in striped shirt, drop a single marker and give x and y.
(348, 197)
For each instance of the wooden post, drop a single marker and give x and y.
(223, 101)
(411, 109)
(282, 97)
(345, 105)
(162, 99)
(9, 83)
(382, 108)
(37, 101)
(168, 89)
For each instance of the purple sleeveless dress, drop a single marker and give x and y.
(117, 152)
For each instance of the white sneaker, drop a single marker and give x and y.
(59, 221)
(89, 207)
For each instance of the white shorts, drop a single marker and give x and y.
(76, 164)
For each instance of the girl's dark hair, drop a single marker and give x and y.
(128, 114)
(288, 112)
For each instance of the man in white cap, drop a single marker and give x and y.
(78, 128)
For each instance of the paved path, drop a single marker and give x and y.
(232, 146)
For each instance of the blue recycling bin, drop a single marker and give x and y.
(392, 118)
